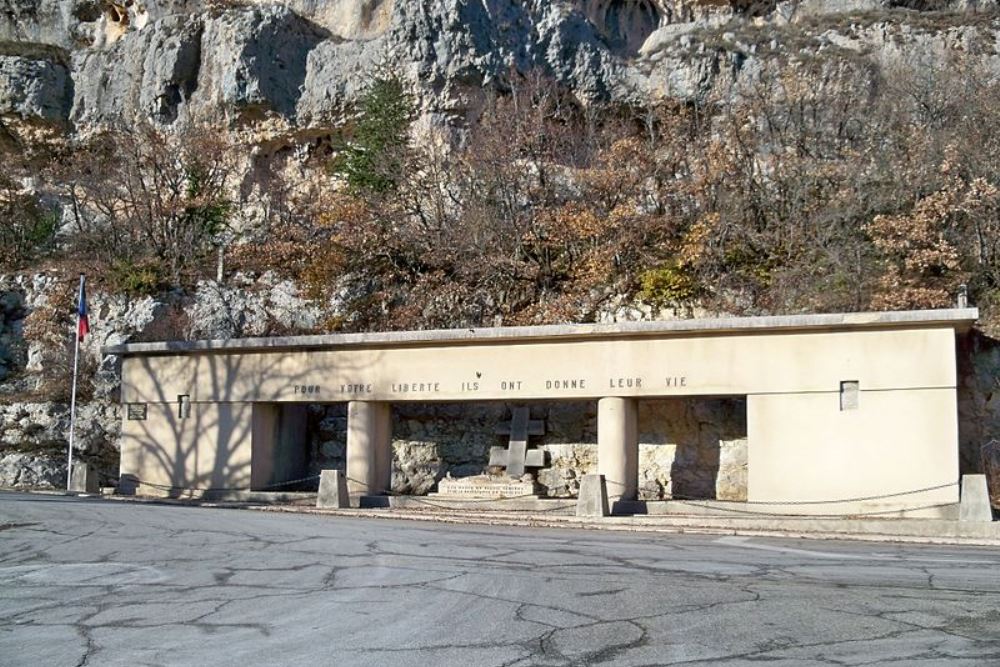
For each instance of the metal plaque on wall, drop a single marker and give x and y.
(137, 411)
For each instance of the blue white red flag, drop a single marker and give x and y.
(82, 321)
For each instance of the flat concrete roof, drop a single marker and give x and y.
(958, 318)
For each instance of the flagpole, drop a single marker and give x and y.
(72, 400)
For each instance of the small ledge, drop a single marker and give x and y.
(961, 319)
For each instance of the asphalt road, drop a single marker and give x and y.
(96, 582)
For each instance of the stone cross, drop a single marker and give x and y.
(516, 457)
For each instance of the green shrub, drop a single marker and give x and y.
(142, 278)
(668, 285)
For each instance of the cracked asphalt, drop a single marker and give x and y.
(97, 582)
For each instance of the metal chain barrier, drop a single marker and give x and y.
(220, 489)
(822, 502)
(809, 516)
(703, 503)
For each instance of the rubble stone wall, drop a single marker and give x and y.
(688, 447)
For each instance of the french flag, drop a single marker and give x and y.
(82, 321)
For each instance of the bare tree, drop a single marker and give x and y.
(140, 194)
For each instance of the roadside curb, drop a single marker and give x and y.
(909, 531)
(912, 531)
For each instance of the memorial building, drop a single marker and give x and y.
(855, 412)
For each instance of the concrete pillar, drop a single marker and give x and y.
(975, 501)
(618, 446)
(369, 448)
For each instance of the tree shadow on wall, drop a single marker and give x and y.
(186, 454)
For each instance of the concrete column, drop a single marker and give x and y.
(278, 449)
(618, 446)
(369, 451)
(264, 436)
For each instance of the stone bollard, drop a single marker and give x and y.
(128, 485)
(593, 499)
(84, 478)
(991, 466)
(975, 501)
(332, 490)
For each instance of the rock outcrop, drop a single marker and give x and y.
(302, 63)
(34, 88)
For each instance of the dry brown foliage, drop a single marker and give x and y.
(140, 195)
(822, 186)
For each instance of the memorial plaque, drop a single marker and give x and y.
(485, 486)
(137, 411)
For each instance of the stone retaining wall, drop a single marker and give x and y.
(688, 448)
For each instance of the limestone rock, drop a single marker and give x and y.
(568, 463)
(693, 449)
(656, 464)
(24, 471)
(91, 23)
(152, 74)
(12, 314)
(34, 89)
(248, 61)
(328, 437)
(262, 308)
(44, 427)
(254, 60)
(305, 61)
(50, 22)
(416, 468)
(978, 400)
(452, 50)
(731, 481)
(34, 423)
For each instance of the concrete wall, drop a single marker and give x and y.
(226, 445)
(209, 449)
(802, 445)
(728, 365)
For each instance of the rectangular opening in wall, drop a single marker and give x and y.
(279, 451)
(183, 406)
(849, 390)
(693, 448)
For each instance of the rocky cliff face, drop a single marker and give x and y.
(298, 65)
